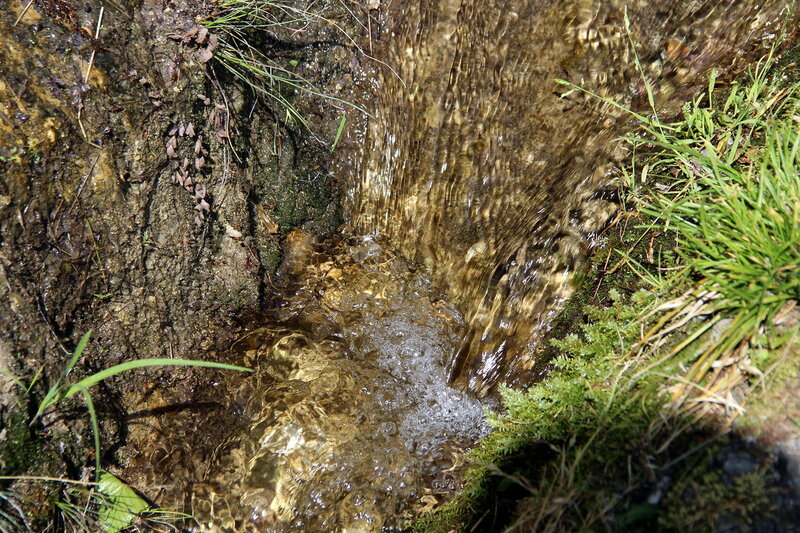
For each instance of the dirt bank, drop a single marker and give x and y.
(100, 229)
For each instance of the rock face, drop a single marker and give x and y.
(145, 198)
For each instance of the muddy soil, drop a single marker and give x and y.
(97, 232)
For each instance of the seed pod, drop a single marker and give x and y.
(198, 219)
(202, 35)
(190, 130)
(200, 191)
(181, 130)
(205, 55)
(198, 145)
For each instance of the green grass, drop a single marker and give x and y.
(725, 181)
(241, 25)
(638, 394)
(61, 391)
(735, 200)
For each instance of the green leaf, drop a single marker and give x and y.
(54, 395)
(120, 504)
(339, 131)
(78, 352)
(94, 379)
(95, 430)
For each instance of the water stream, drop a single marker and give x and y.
(476, 168)
(349, 419)
(474, 190)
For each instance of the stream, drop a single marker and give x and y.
(472, 194)
(475, 167)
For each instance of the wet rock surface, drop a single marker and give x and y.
(142, 200)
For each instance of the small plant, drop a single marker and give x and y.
(241, 24)
(726, 180)
(107, 503)
(60, 390)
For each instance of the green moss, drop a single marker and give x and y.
(568, 443)
(787, 67)
(628, 252)
(21, 451)
(705, 502)
(270, 257)
(295, 197)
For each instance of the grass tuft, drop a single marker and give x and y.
(108, 504)
(242, 25)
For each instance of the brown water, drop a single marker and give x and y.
(350, 424)
(474, 165)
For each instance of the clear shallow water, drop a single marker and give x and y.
(348, 421)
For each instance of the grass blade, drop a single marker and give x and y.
(95, 429)
(94, 379)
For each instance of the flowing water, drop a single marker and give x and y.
(349, 417)
(475, 167)
(475, 177)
